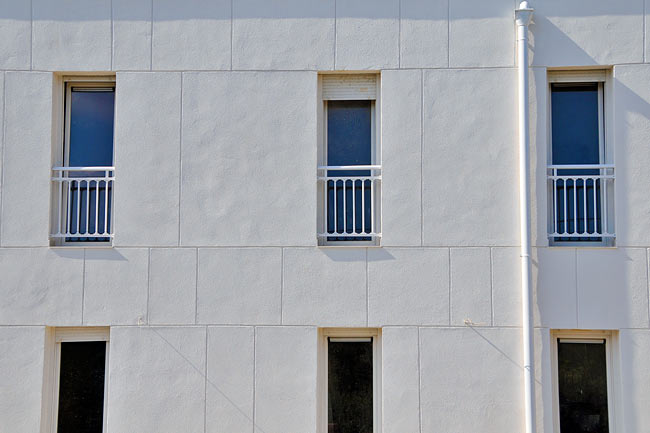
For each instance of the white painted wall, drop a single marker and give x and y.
(216, 287)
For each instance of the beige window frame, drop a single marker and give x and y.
(603, 79)
(328, 92)
(53, 368)
(613, 390)
(61, 134)
(350, 334)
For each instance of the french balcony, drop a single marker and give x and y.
(83, 204)
(582, 202)
(351, 197)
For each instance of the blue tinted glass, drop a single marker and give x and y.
(575, 124)
(349, 140)
(348, 133)
(91, 128)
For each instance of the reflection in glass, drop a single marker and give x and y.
(349, 140)
(576, 141)
(91, 127)
(582, 383)
(90, 145)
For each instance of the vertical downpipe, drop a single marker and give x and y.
(523, 15)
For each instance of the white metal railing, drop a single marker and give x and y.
(83, 203)
(350, 202)
(581, 196)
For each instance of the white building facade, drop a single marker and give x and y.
(210, 209)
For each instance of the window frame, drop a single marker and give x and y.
(611, 347)
(69, 335)
(375, 158)
(60, 155)
(605, 150)
(323, 362)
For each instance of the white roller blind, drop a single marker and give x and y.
(349, 86)
(81, 334)
(577, 76)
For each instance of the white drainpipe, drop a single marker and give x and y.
(523, 16)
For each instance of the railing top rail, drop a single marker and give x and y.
(83, 168)
(349, 167)
(579, 166)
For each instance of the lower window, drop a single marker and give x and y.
(583, 384)
(351, 381)
(79, 376)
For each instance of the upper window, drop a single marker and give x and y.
(577, 130)
(79, 394)
(83, 182)
(349, 172)
(89, 120)
(580, 179)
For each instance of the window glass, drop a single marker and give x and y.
(576, 140)
(350, 394)
(81, 387)
(575, 129)
(90, 145)
(349, 137)
(582, 381)
(349, 141)
(91, 127)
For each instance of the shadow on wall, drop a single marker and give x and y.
(632, 123)
(559, 38)
(209, 383)
(355, 254)
(602, 288)
(514, 362)
(170, 10)
(100, 254)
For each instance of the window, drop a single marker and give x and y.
(79, 380)
(580, 179)
(349, 174)
(350, 375)
(83, 179)
(583, 384)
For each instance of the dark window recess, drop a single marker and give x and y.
(349, 141)
(582, 380)
(349, 399)
(81, 387)
(575, 141)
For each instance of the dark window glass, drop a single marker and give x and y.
(349, 141)
(574, 114)
(582, 380)
(349, 399)
(81, 387)
(575, 140)
(91, 127)
(348, 133)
